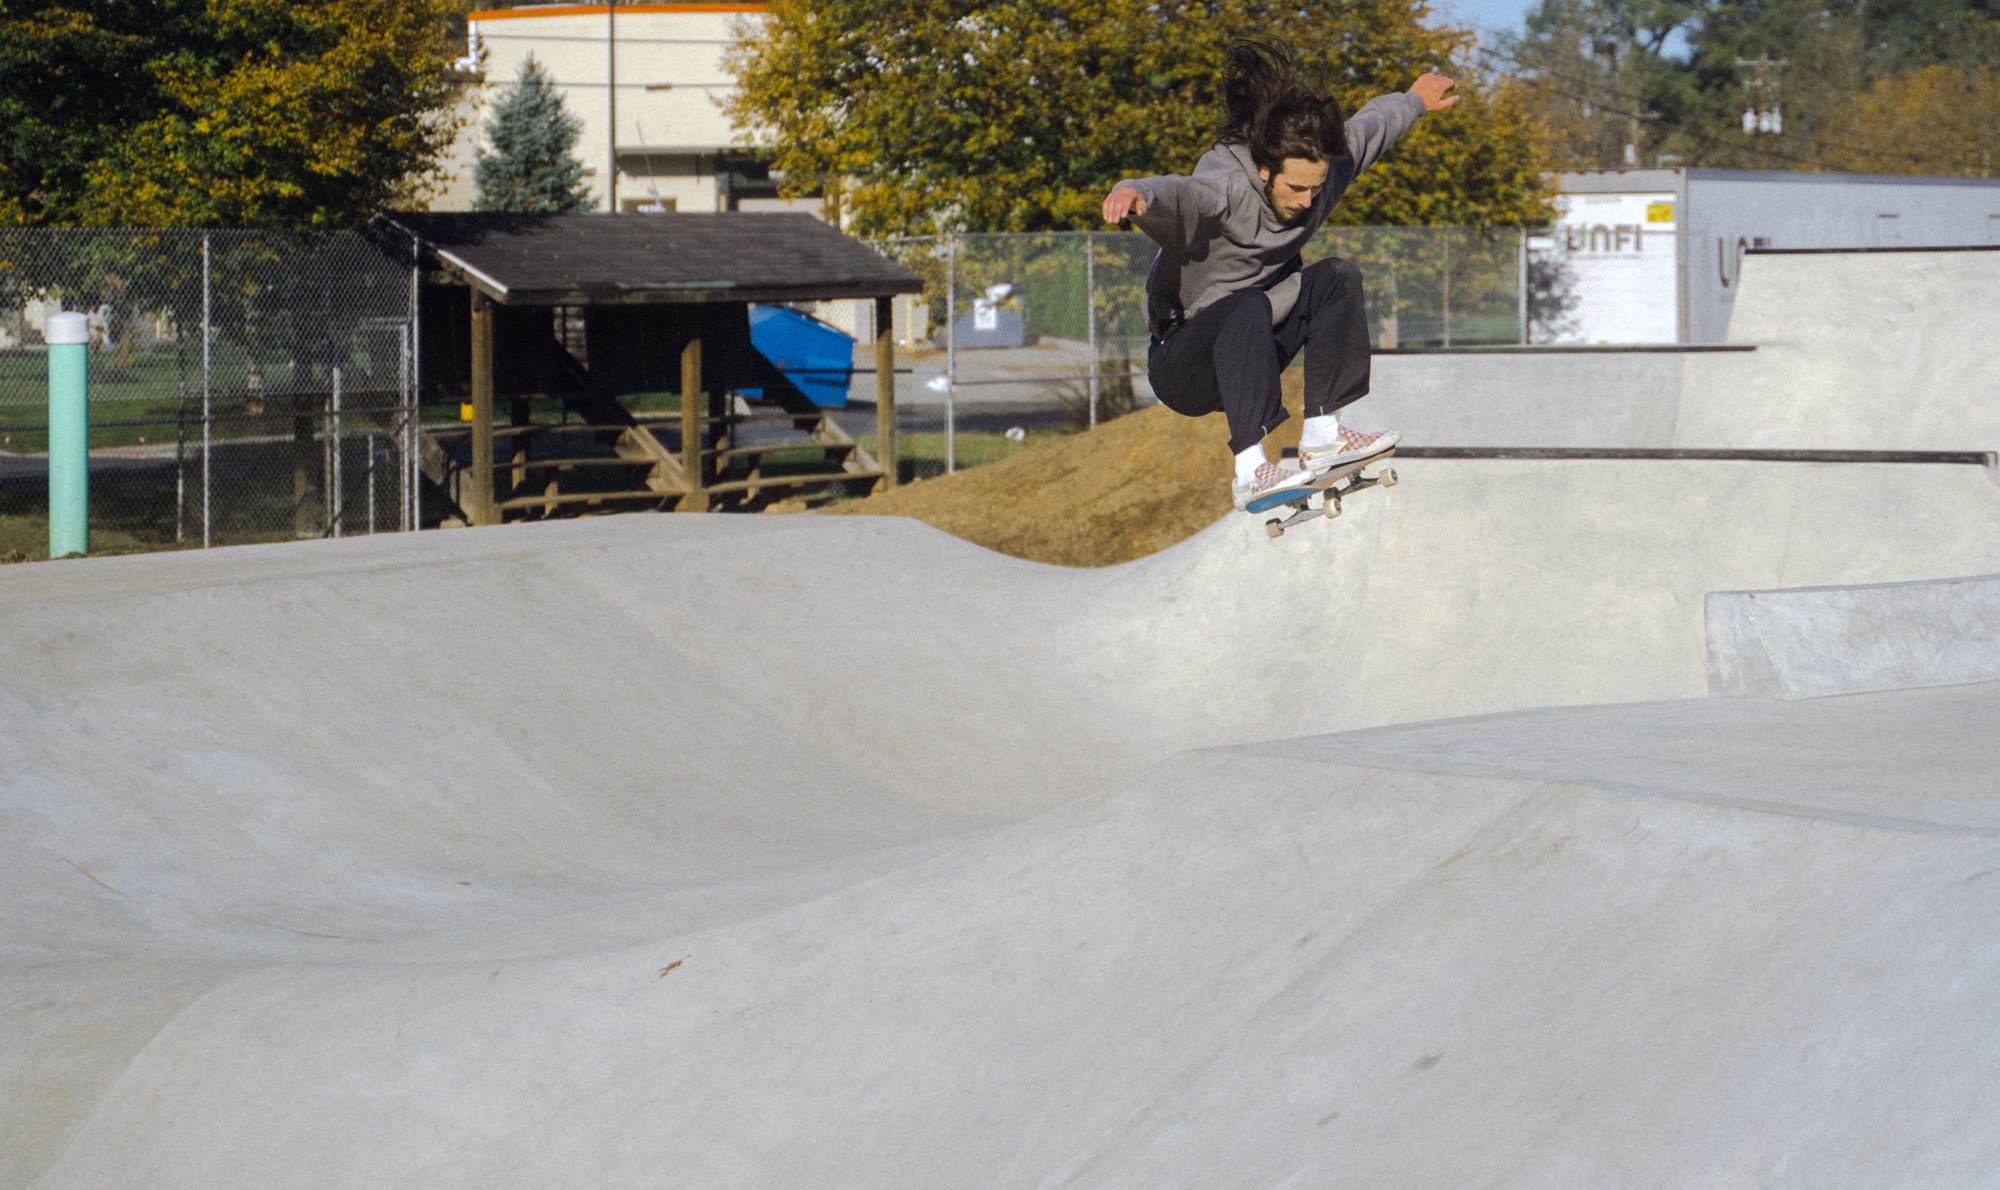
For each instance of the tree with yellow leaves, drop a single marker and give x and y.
(1935, 120)
(1016, 115)
(248, 113)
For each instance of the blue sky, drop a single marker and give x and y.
(1492, 17)
(1487, 16)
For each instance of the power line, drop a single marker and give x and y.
(1695, 132)
(1708, 137)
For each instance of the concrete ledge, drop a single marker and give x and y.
(1531, 349)
(1812, 642)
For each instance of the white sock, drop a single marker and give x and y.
(1320, 431)
(1248, 462)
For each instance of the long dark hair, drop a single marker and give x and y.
(1274, 110)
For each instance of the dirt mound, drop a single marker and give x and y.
(1129, 488)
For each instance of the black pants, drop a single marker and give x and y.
(1229, 356)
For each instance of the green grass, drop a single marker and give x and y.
(139, 519)
(1470, 331)
(146, 387)
(134, 517)
(925, 451)
(146, 376)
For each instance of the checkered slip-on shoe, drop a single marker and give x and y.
(1352, 446)
(1270, 478)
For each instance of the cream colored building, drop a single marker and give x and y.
(674, 145)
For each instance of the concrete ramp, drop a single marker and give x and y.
(1852, 351)
(1855, 350)
(1494, 953)
(1630, 977)
(1533, 397)
(780, 851)
(1485, 585)
(1820, 641)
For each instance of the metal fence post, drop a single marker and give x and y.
(405, 520)
(180, 419)
(180, 458)
(333, 494)
(68, 337)
(951, 353)
(1447, 286)
(1521, 283)
(1090, 313)
(207, 421)
(413, 442)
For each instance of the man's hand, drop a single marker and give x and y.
(1431, 89)
(1123, 201)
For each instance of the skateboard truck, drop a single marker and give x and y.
(1329, 499)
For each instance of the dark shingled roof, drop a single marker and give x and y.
(538, 260)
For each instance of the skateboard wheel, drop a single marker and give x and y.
(1332, 509)
(1389, 478)
(1274, 528)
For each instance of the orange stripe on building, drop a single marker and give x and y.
(587, 10)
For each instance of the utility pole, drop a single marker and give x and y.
(1763, 113)
(611, 101)
(1605, 45)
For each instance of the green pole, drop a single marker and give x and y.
(68, 337)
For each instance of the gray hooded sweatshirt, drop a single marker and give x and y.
(1217, 232)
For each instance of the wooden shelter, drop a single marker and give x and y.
(567, 318)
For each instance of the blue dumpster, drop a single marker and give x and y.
(811, 354)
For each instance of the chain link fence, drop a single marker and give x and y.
(1022, 336)
(244, 386)
(258, 386)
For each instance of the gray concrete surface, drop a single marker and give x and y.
(1821, 641)
(360, 862)
(1713, 944)
(1882, 351)
(1854, 351)
(768, 851)
(1529, 397)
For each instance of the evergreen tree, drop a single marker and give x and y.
(531, 168)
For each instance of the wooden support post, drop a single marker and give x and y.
(720, 438)
(521, 415)
(885, 391)
(484, 510)
(692, 409)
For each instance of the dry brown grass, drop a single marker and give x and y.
(1129, 488)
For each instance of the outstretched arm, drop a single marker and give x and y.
(1383, 120)
(1170, 208)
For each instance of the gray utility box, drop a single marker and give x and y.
(991, 324)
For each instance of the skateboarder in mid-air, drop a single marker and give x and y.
(1229, 302)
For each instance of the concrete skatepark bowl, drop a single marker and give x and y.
(1419, 847)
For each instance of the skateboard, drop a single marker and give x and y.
(1327, 490)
